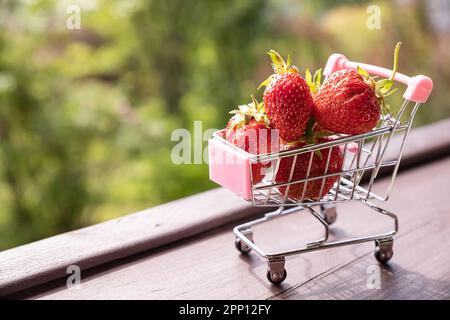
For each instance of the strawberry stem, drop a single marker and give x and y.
(383, 86)
(394, 69)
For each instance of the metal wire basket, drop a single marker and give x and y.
(364, 156)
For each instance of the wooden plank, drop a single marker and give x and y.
(424, 144)
(420, 271)
(208, 266)
(45, 260)
(48, 259)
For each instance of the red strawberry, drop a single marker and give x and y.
(318, 166)
(351, 102)
(346, 103)
(287, 99)
(248, 129)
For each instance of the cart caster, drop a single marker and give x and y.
(383, 250)
(276, 273)
(240, 245)
(276, 277)
(329, 213)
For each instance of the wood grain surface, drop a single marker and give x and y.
(209, 267)
(48, 259)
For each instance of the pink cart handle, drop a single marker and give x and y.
(419, 87)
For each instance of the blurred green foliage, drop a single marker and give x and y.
(86, 115)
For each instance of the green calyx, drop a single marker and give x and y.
(313, 82)
(254, 110)
(383, 87)
(312, 136)
(279, 66)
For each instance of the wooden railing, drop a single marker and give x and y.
(31, 268)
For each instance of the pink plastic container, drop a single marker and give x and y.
(229, 167)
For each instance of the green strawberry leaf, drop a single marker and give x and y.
(247, 112)
(362, 72)
(386, 107)
(385, 83)
(265, 83)
(255, 103)
(238, 121)
(383, 86)
(313, 82)
(387, 94)
(318, 78)
(278, 64)
(309, 133)
(308, 77)
(293, 69)
(319, 154)
(276, 57)
(245, 109)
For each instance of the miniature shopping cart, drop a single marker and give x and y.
(364, 157)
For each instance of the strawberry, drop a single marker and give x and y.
(249, 130)
(287, 99)
(351, 102)
(346, 103)
(318, 168)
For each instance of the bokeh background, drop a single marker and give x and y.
(86, 115)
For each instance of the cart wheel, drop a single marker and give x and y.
(383, 250)
(241, 246)
(276, 277)
(329, 213)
